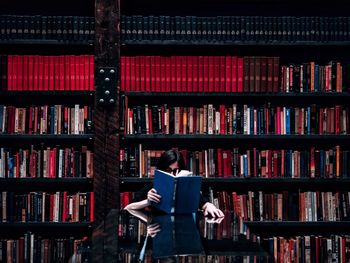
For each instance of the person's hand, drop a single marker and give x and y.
(212, 220)
(153, 196)
(153, 229)
(210, 210)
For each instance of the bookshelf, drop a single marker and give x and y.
(47, 132)
(166, 53)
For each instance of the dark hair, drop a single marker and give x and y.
(169, 157)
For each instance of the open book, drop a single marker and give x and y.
(180, 194)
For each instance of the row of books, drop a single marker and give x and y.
(131, 257)
(34, 248)
(230, 74)
(47, 207)
(36, 72)
(61, 28)
(244, 163)
(310, 248)
(46, 119)
(236, 28)
(49, 162)
(236, 119)
(304, 206)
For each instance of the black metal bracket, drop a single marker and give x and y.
(106, 89)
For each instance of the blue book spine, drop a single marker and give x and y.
(287, 120)
(245, 165)
(322, 156)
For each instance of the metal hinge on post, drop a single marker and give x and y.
(106, 89)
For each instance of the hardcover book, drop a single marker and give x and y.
(179, 194)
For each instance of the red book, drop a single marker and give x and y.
(132, 73)
(66, 73)
(220, 166)
(72, 72)
(25, 73)
(257, 74)
(275, 75)
(91, 72)
(178, 74)
(195, 73)
(19, 65)
(124, 74)
(77, 73)
(46, 73)
(64, 207)
(173, 73)
(239, 74)
(52, 72)
(147, 73)
(167, 69)
(228, 72)
(206, 73)
(39, 60)
(142, 74)
(137, 73)
(200, 74)
(189, 64)
(217, 74)
(184, 74)
(30, 72)
(270, 74)
(163, 83)
(222, 87)
(56, 73)
(153, 74)
(222, 119)
(62, 75)
(211, 87)
(158, 74)
(10, 84)
(246, 68)
(263, 74)
(337, 119)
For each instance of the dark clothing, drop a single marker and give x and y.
(142, 195)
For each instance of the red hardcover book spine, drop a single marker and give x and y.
(200, 74)
(275, 75)
(195, 73)
(173, 73)
(132, 74)
(10, 84)
(184, 74)
(39, 76)
(153, 74)
(30, 72)
(77, 73)
(56, 73)
(137, 74)
(64, 207)
(217, 74)
(158, 74)
(222, 119)
(222, 67)
(270, 74)
(72, 72)
(263, 74)
(167, 67)
(91, 72)
(83, 74)
(19, 73)
(211, 87)
(240, 74)
(142, 73)
(178, 74)
(163, 83)
(62, 75)
(124, 73)
(147, 61)
(66, 73)
(206, 74)
(220, 166)
(25, 73)
(52, 72)
(228, 79)
(189, 64)
(45, 85)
